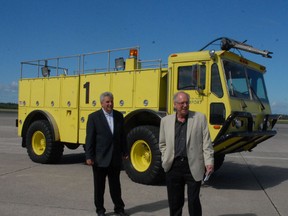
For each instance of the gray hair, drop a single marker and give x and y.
(181, 92)
(106, 94)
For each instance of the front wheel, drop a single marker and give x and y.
(40, 145)
(144, 163)
(72, 146)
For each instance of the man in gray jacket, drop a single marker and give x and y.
(187, 154)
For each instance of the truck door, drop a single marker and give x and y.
(190, 77)
(217, 101)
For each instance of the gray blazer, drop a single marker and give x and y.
(199, 147)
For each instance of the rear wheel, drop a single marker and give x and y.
(40, 145)
(144, 163)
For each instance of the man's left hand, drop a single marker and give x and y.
(209, 169)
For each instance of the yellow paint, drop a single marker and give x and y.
(69, 99)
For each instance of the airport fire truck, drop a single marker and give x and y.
(56, 95)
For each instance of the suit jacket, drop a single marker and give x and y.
(103, 147)
(198, 143)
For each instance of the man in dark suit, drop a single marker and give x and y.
(105, 148)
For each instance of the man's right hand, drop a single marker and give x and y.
(89, 162)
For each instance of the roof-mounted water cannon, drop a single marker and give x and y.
(227, 44)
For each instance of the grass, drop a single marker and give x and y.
(282, 121)
(8, 110)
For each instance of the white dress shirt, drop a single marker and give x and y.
(110, 120)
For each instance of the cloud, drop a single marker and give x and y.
(279, 107)
(9, 87)
(9, 92)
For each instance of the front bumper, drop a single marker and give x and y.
(229, 141)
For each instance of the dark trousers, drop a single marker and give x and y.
(100, 174)
(176, 179)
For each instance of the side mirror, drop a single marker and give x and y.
(201, 78)
(200, 90)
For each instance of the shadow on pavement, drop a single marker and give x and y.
(248, 214)
(149, 207)
(73, 158)
(240, 176)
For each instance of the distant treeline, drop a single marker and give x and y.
(8, 106)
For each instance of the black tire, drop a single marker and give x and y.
(218, 161)
(84, 148)
(41, 147)
(144, 163)
(72, 146)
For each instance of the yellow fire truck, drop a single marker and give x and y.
(56, 95)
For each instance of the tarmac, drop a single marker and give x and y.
(248, 184)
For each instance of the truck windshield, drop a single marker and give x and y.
(244, 82)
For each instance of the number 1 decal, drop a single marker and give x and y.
(87, 87)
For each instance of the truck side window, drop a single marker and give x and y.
(216, 86)
(217, 113)
(188, 77)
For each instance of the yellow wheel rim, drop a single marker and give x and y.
(141, 155)
(38, 143)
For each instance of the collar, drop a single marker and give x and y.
(107, 114)
(186, 118)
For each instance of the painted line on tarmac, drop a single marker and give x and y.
(259, 182)
(259, 157)
(19, 170)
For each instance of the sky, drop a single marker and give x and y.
(37, 29)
